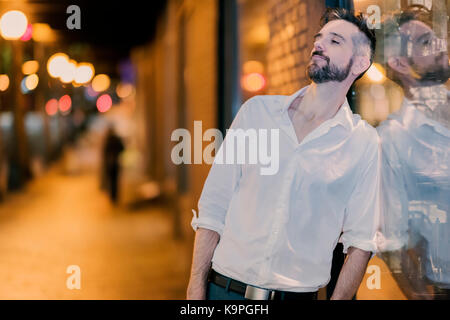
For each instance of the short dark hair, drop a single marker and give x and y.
(360, 21)
(415, 12)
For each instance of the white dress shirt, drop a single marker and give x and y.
(416, 188)
(279, 231)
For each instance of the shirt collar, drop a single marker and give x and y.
(415, 118)
(343, 117)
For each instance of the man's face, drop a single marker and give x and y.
(427, 54)
(332, 54)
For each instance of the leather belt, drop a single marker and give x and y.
(255, 293)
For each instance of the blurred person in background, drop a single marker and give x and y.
(273, 236)
(112, 148)
(415, 240)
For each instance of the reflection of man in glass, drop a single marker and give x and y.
(416, 163)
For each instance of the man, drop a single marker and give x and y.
(415, 152)
(112, 149)
(272, 236)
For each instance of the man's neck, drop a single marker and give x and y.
(322, 101)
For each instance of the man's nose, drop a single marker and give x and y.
(318, 46)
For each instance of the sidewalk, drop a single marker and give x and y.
(63, 220)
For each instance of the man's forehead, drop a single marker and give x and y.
(341, 27)
(415, 28)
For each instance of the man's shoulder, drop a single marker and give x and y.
(364, 130)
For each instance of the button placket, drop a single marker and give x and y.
(279, 217)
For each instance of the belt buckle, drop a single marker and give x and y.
(254, 293)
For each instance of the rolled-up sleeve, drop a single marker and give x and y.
(220, 185)
(362, 215)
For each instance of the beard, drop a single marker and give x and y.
(329, 72)
(437, 74)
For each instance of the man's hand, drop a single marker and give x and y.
(205, 243)
(351, 274)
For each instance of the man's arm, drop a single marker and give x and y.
(205, 243)
(351, 274)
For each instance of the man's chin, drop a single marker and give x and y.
(439, 77)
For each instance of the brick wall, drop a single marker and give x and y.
(292, 25)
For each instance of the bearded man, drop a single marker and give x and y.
(272, 236)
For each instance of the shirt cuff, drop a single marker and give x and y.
(366, 245)
(391, 243)
(206, 223)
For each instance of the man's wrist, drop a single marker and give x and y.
(200, 274)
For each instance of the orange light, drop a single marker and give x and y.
(51, 107)
(253, 82)
(4, 82)
(31, 81)
(42, 32)
(376, 73)
(65, 103)
(30, 67)
(101, 83)
(124, 90)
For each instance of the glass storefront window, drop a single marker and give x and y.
(405, 94)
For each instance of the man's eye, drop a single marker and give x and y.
(334, 42)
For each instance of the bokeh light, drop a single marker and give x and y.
(68, 72)
(23, 86)
(84, 73)
(124, 90)
(30, 67)
(13, 25)
(376, 73)
(56, 64)
(4, 82)
(104, 103)
(31, 81)
(90, 94)
(253, 82)
(101, 83)
(42, 32)
(28, 33)
(65, 103)
(51, 107)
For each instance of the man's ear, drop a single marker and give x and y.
(399, 64)
(362, 63)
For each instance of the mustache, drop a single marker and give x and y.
(319, 53)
